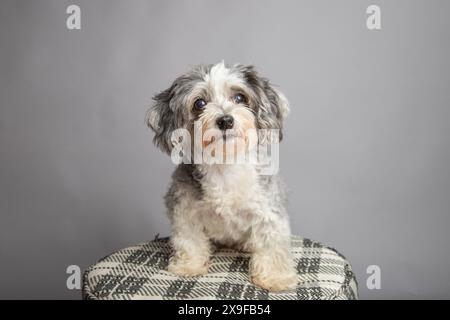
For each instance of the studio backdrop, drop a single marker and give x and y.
(365, 154)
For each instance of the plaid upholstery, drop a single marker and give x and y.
(139, 272)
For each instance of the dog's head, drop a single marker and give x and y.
(227, 99)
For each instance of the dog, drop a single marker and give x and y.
(225, 204)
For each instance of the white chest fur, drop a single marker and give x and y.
(229, 187)
(228, 192)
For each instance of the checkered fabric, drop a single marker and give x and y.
(139, 272)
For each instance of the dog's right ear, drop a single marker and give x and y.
(161, 119)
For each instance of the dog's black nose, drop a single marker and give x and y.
(225, 122)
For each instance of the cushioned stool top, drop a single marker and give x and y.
(139, 272)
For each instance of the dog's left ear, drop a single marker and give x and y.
(272, 105)
(277, 106)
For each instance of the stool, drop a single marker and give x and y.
(140, 272)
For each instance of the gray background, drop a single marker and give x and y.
(367, 147)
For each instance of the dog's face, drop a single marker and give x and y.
(229, 100)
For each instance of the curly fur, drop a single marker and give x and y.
(225, 204)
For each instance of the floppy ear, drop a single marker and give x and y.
(276, 109)
(161, 119)
(272, 105)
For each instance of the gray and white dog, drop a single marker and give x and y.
(225, 204)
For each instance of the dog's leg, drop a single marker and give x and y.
(271, 264)
(191, 246)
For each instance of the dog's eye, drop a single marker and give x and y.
(200, 104)
(239, 98)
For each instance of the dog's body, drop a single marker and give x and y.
(225, 204)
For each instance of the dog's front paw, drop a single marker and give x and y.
(188, 267)
(273, 274)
